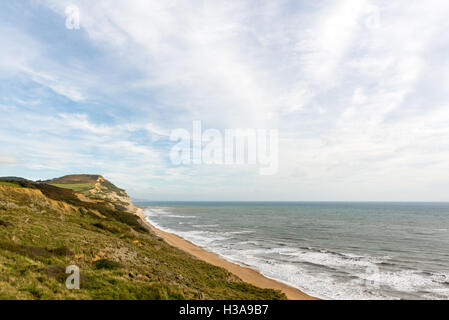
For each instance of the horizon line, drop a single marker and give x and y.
(292, 201)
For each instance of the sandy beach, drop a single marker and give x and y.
(246, 274)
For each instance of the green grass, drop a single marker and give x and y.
(79, 187)
(112, 188)
(116, 259)
(107, 264)
(9, 184)
(67, 195)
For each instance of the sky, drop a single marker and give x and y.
(357, 89)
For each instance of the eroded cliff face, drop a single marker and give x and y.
(33, 199)
(105, 190)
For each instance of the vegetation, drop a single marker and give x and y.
(107, 264)
(75, 179)
(83, 188)
(104, 208)
(95, 187)
(118, 258)
(9, 184)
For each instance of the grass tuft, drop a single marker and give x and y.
(4, 223)
(107, 264)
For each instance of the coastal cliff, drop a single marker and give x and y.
(96, 187)
(86, 221)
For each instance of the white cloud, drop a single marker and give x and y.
(325, 44)
(7, 159)
(57, 84)
(18, 50)
(356, 87)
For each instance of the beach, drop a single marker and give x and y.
(328, 250)
(246, 274)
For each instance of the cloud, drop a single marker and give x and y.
(326, 43)
(7, 159)
(18, 50)
(357, 88)
(56, 84)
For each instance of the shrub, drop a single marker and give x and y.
(56, 272)
(4, 224)
(61, 251)
(107, 264)
(101, 226)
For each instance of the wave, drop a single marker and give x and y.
(320, 272)
(205, 225)
(179, 216)
(156, 212)
(200, 238)
(359, 277)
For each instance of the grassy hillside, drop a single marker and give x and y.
(9, 184)
(44, 229)
(82, 183)
(93, 186)
(83, 188)
(75, 179)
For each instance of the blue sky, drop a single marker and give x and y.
(358, 89)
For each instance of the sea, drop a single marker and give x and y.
(330, 250)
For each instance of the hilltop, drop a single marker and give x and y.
(76, 178)
(45, 228)
(12, 179)
(95, 187)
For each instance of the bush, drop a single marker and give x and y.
(34, 252)
(56, 272)
(61, 251)
(101, 226)
(4, 224)
(107, 264)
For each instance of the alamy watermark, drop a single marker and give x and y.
(372, 278)
(72, 21)
(231, 147)
(73, 280)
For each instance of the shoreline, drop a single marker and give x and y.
(246, 274)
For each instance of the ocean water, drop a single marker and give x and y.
(329, 250)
